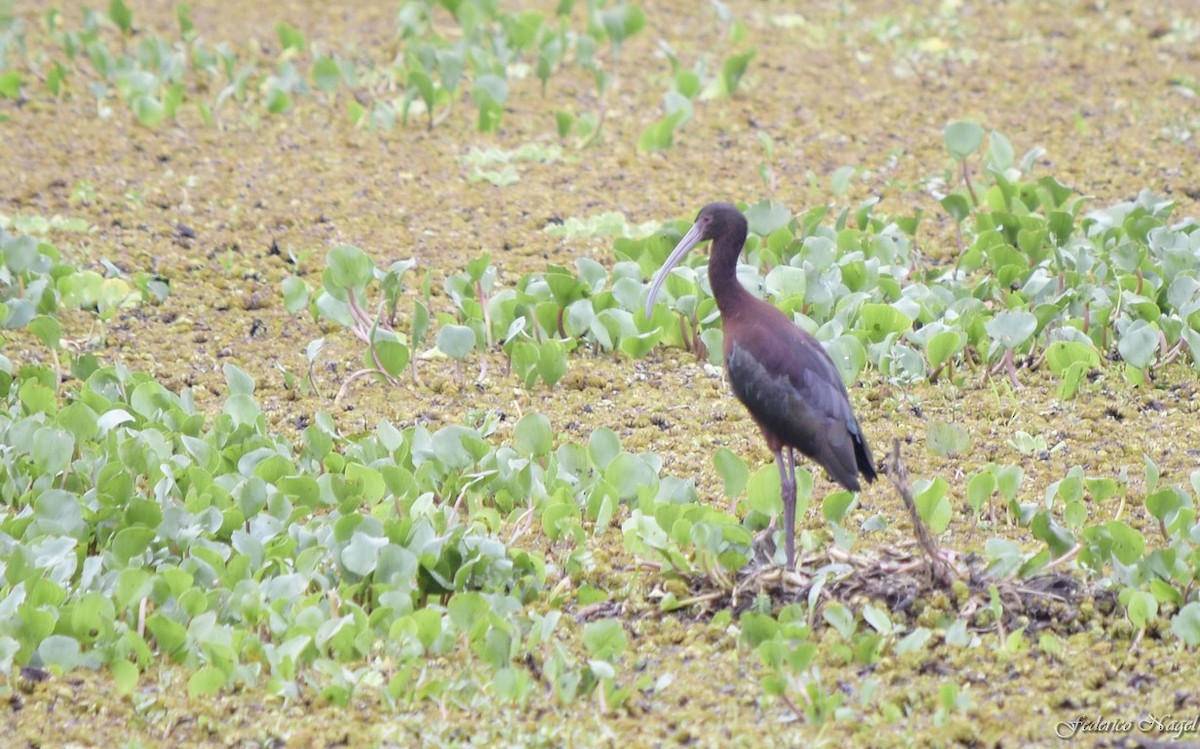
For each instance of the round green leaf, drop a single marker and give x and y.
(1127, 543)
(628, 473)
(836, 504)
(456, 341)
(1062, 354)
(881, 320)
(944, 345)
(1139, 343)
(603, 447)
(766, 216)
(733, 470)
(944, 439)
(349, 267)
(1141, 608)
(933, 505)
(980, 489)
(763, 491)
(392, 354)
(1186, 624)
(532, 436)
(605, 638)
(205, 682)
(552, 361)
(47, 329)
(362, 553)
(1011, 328)
(963, 139)
(59, 652)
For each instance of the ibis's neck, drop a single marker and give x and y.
(722, 273)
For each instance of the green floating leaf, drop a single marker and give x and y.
(980, 488)
(878, 619)
(10, 84)
(1049, 532)
(767, 216)
(121, 16)
(183, 13)
(660, 134)
(205, 682)
(1141, 608)
(290, 38)
(881, 320)
(348, 268)
(932, 503)
(733, 68)
(170, 635)
(763, 491)
(559, 518)
(836, 505)
(456, 341)
(840, 618)
(946, 439)
(361, 555)
(237, 380)
(963, 139)
(489, 94)
(621, 22)
(47, 329)
(131, 542)
(296, 294)
(758, 628)
(1127, 543)
(1011, 328)
(149, 110)
(628, 474)
(563, 122)
(1164, 503)
(326, 75)
(1186, 624)
(957, 205)
(605, 638)
(840, 182)
(733, 470)
(1139, 343)
(1000, 155)
(552, 362)
(914, 641)
(532, 436)
(943, 346)
(59, 653)
(393, 355)
(1061, 355)
(603, 447)
(784, 281)
(126, 676)
(847, 353)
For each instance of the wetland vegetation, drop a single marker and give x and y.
(331, 415)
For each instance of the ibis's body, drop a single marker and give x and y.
(777, 370)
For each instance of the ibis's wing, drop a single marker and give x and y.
(792, 389)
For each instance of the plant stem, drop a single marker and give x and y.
(939, 566)
(966, 173)
(345, 388)
(487, 313)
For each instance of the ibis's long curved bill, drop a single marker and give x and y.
(690, 240)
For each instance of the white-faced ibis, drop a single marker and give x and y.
(777, 370)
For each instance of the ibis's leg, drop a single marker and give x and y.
(787, 480)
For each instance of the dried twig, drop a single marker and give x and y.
(939, 567)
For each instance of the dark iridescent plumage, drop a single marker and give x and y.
(777, 370)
